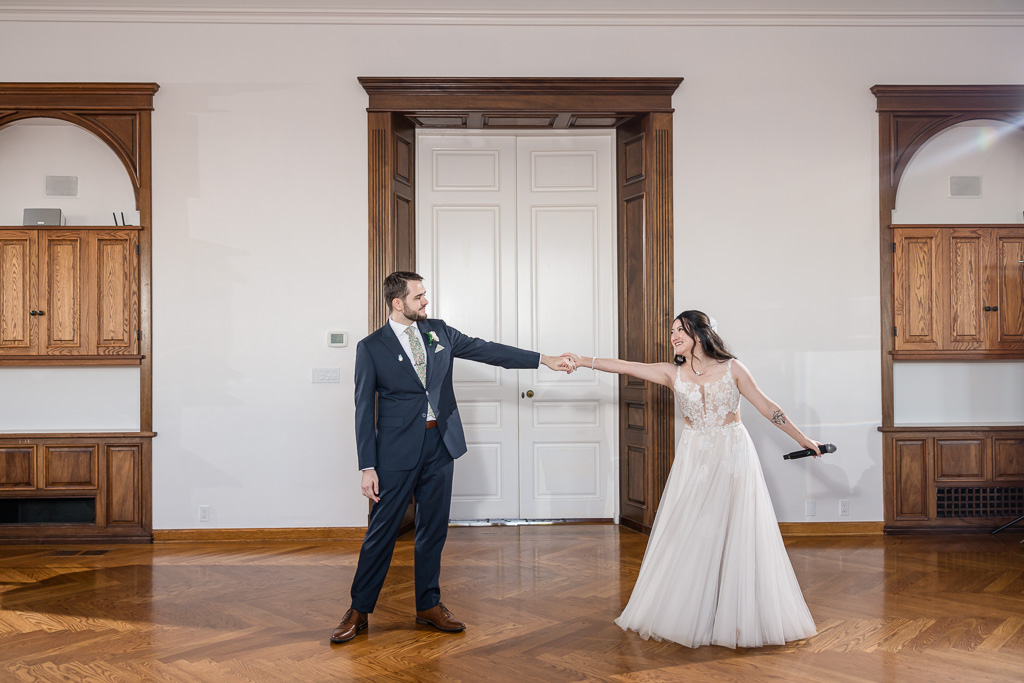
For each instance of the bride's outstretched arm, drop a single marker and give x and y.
(767, 407)
(661, 373)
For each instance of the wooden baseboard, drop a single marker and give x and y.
(247, 535)
(794, 529)
(789, 530)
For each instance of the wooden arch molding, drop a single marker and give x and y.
(908, 117)
(640, 111)
(116, 113)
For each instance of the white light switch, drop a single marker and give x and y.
(326, 375)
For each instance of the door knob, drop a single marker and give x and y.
(994, 308)
(529, 394)
(33, 313)
(40, 312)
(988, 308)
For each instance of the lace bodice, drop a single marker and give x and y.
(710, 405)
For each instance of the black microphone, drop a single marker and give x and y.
(807, 452)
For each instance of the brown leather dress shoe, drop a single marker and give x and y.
(439, 617)
(352, 623)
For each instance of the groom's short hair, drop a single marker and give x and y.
(396, 285)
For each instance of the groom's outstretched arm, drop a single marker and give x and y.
(493, 353)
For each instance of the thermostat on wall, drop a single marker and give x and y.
(337, 338)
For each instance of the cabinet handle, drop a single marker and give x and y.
(40, 312)
(988, 308)
(994, 308)
(33, 313)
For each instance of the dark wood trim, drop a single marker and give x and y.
(954, 355)
(804, 529)
(954, 226)
(77, 436)
(644, 102)
(929, 429)
(250, 535)
(126, 359)
(455, 96)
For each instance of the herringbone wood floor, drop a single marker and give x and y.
(539, 601)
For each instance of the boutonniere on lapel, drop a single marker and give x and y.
(432, 340)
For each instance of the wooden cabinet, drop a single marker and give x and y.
(958, 290)
(956, 478)
(72, 293)
(61, 487)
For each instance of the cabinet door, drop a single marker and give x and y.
(911, 479)
(916, 292)
(964, 254)
(123, 497)
(114, 292)
(1007, 323)
(62, 262)
(17, 467)
(18, 279)
(960, 459)
(70, 466)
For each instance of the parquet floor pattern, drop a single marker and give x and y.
(539, 602)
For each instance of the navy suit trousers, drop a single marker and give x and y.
(430, 482)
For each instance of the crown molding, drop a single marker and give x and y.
(225, 13)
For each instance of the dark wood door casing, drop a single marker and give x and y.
(640, 109)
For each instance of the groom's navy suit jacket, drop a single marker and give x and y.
(385, 369)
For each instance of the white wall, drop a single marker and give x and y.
(260, 226)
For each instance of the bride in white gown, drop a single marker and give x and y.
(716, 570)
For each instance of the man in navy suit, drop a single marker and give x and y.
(406, 366)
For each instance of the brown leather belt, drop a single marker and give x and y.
(431, 424)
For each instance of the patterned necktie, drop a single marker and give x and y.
(419, 358)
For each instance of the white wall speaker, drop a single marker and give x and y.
(965, 186)
(61, 186)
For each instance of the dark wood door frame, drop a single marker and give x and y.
(640, 109)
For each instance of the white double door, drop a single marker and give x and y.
(516, 242)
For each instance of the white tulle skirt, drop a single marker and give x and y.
(716, 570)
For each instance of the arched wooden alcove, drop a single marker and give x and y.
(110, 469)
(920, 462)
(640, 110)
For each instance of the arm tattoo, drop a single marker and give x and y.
(778, 418)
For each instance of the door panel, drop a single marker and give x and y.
(18, 278)
(566, 282)
(916, 294)
(63, 260)
(1009, 273)
(966, 324)
(466, 253)
(114, 289)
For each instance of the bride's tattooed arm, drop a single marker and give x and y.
(767, 407)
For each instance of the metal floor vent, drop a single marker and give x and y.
(980, 501)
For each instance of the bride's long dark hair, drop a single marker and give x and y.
(698, 326)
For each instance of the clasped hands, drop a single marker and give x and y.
(567, 362)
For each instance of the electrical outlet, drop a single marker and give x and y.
(844, 508)
(326, 375)
(204, 513)
(810, 508)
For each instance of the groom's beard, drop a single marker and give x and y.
(416, 316)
